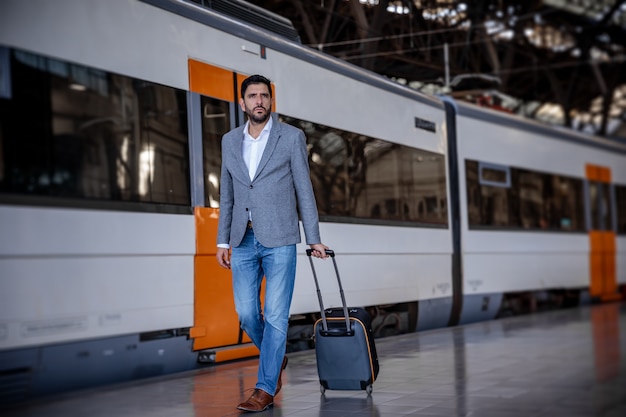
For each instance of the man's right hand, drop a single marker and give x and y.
(223, 257)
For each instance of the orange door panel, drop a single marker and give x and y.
(211, 81)
(216, 325)
(603, 278)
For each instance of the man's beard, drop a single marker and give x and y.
(259, 119)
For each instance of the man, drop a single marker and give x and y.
(265, 182)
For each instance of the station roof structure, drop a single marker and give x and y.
(558, 61)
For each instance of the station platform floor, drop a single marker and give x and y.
(568, 362)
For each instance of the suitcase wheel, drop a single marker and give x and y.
(368, 389)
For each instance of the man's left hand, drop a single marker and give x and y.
(319, 250)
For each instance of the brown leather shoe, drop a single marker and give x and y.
(279, 384)
(258, 401)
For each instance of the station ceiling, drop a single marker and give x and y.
(559, 61)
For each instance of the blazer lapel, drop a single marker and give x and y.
(238, 151)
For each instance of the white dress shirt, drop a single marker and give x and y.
(253, 147)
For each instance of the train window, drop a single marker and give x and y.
(564, 203)
(534, 200)
(531, 199)
(496, 175)
(620, 204)
(594, 204)
(82, 133)
(607, 213)
(215, 123)
(360, 177)
(600, 204)
(488, 202)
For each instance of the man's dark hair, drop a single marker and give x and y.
(255, 79)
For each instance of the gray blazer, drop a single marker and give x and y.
(280, 189)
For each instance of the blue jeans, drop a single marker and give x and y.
(250, 261)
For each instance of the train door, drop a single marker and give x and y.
(216, 331)
(600, 207)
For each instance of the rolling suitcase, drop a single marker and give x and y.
(344, 343)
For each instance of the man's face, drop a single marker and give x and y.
(257, 103)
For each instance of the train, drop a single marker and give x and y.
(441, 213)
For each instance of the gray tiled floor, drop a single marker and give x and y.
(563, 363)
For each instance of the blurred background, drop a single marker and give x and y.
(558, 61)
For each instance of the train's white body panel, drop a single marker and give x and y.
(506, 145)
(370, 111)
(109, 273)
(378, 265)
(44, 232)
(502, 261)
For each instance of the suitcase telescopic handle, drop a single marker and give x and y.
(330, 253)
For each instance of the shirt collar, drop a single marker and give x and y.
(265, 131)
